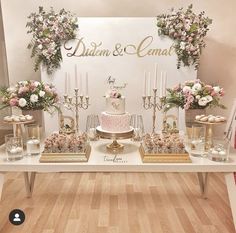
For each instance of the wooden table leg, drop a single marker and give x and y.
(203, 178)
(230, 179)
(29, 183)
(1, 183)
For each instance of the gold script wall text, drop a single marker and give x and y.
(142, 49)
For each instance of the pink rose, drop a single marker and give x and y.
(186, 106)
(208, 87)
(190, 99)
(47, 88)
(222, 92)
(213, 93)
(13, 102)
(176, 88)
(23, 89)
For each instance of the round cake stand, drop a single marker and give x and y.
(19, 127)
(114, 146)
(209, 132)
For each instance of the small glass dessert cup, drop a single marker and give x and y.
(14, 148)
(32, 139)
(219, 151)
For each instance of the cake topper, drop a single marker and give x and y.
(111, 81)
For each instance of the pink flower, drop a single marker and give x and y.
(177, 88)
(209, 88)
(13, 102)
(213, 93)
(186, 106)
(23, 90)
(222, 92)
(47, 88)
(190, 99)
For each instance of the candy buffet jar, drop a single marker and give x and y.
(219, 151)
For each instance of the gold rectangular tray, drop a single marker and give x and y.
(163, 158)
(65, 157)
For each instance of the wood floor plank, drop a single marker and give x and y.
(117, 203)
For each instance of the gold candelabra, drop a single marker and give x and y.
(156, 104)
(80, 101)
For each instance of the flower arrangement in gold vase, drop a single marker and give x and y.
(194, 94)
(30, 95)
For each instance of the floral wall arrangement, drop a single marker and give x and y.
(194, 94)
(49, 30)
(30, 95)
(188, 30)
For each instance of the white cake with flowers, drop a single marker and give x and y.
(115, 118)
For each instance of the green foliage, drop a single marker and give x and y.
(49, 30)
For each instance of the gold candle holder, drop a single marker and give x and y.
(156, 104)
(80, 101)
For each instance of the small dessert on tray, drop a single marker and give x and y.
(210, 118)
(18, 118)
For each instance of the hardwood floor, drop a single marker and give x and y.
(117, 203)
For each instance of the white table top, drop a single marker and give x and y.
(128, 161)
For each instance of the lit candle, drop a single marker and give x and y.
(76, 77)
(155, 80)
(66, 88)
(149, 86)
(86, 84)
(145, 84)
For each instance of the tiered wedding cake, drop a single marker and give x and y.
(114, 118)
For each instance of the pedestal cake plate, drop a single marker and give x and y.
(19, 127)
(114, 136)
(209, 132)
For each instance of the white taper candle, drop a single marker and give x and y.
(161, 85)
(165, 81)
(69, 84)
(76, 77)
(81, 84)
(145, 84)
(66, 90)
(86, 84)
(155, 78)
(150, 85)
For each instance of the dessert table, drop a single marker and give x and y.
(129, 160)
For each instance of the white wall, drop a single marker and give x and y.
(218, 59)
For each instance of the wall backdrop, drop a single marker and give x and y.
(112, 35)
(217, 62)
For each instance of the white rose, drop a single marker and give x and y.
(202, 101)
(36, 83)
(23, 82)
(182, 45)
(40, 46)
(216, 89)
(209, 98)
(34, 98)
(22, 102)
(41, 93)
(41, 18)
(197, 87)
(187, 89)
(11, 89)
(198, 97)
